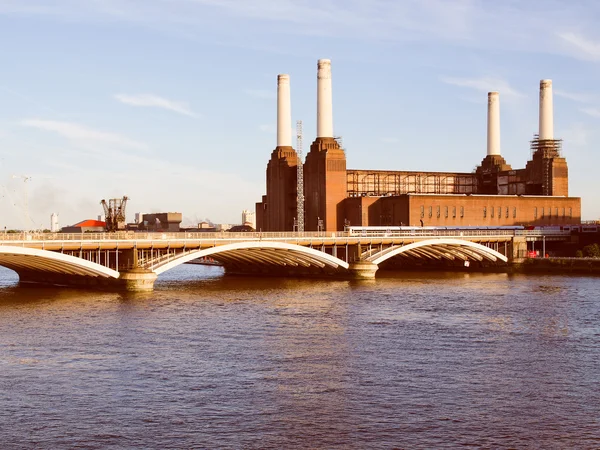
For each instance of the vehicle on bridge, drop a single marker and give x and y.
(385, 231)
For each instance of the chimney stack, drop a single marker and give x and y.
(546, 111)
(493, 125)
(324, 99)
(284, 112)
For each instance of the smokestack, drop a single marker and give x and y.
(324, 99)
(546, 110)
(493, 130)
(284, 112)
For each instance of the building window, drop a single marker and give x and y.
(438, 212)
(446, 211)
(430, 211)
(422, 212)
(535, 212)
(499, 212)
(515, 212)
(563, 212)
(570, 212)
(454, 211)
(462, 211)
(556, 212)
(507, 212)
(492, 209)
(542, 213)
(484, 212)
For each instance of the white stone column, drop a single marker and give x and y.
(493, 124)
(546, 110)
(324, 99)
(284, 112)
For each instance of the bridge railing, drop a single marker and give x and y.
(224, 235)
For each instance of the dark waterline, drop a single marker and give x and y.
(418, 360)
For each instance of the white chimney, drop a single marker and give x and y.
(546, 110)
(324, 99)
(284, 112)
(493, 124)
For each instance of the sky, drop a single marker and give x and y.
(173, 102)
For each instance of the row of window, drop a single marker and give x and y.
(497, 212)
(499, 209)
(439, 211)
(547, 212)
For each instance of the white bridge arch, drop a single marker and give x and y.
(24, 259)
(265, 253)
(448, 249)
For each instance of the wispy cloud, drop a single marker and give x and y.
(509, 25)
(261, 93)
(76, 132)
(577, 135)
(267, 128)
(151, 100)
(586, 48)
(594, 112)
(576, 97)
(485, 84)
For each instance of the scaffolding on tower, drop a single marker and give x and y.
(300, 179)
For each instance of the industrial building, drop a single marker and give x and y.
(333, 196)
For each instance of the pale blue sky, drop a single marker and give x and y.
(172, 102)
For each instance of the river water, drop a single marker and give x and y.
(412, 360)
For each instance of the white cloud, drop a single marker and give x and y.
(151, 100)
(594, 112)
(484, 84)
(81, 133)
(576, 97)
(508, 25)
(268, 128)
(577, 135)
(586, 48)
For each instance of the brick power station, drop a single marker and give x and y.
(494, 194)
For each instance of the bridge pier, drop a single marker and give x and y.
(137, 279)
(362, 270)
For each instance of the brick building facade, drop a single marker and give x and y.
(493, 195)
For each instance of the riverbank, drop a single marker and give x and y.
(561, 265)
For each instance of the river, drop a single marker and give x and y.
(409, 360)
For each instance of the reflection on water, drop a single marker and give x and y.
(413, 360)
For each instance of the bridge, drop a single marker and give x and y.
(133, 260)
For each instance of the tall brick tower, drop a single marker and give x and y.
(325, 168)
(277, 210)
(547, 172)
(493, 163)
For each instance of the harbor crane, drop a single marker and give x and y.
(114, 213)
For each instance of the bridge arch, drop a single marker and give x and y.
(262, 253)
(440, 249)
(32, 260)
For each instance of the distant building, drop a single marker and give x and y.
(86, 226)
(241, 228)
(249, 218)
(170, 221)
(138, 217)
(54, 227)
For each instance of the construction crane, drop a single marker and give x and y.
(300, 179)
(114, 213)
